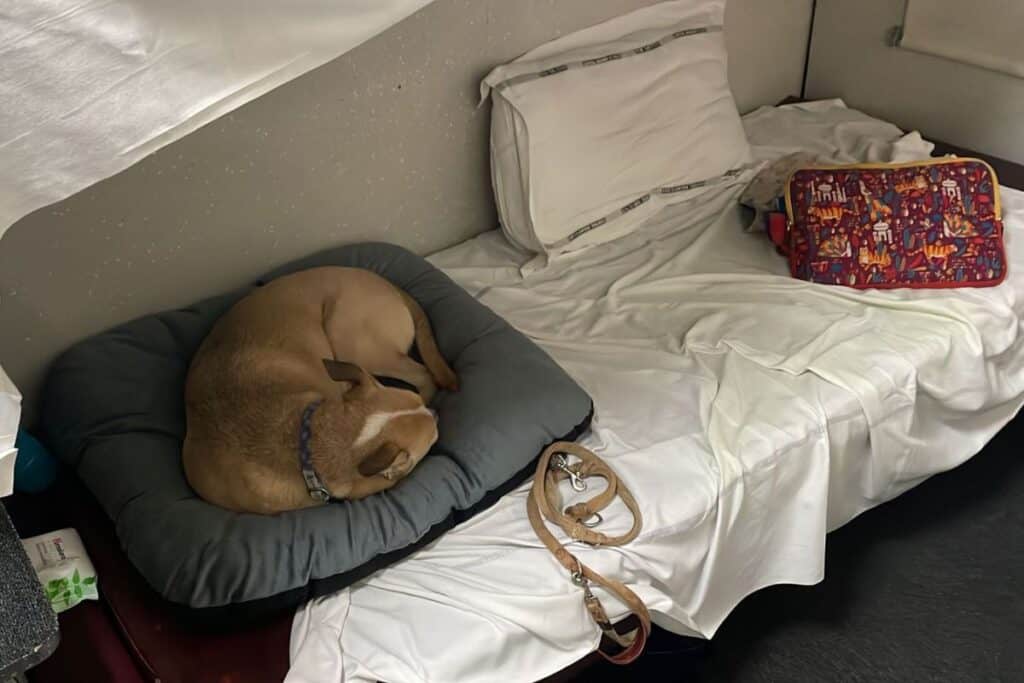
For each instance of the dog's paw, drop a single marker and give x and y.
(399, 467)
(450, 383)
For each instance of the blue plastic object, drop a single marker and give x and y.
(35, 468)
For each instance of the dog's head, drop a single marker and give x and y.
(382, 431)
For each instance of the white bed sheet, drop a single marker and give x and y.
(750, 414)
(92, 86)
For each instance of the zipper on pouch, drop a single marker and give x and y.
(791, 218)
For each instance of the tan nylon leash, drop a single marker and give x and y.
(545, 503)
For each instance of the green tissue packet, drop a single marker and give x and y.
(63, 567)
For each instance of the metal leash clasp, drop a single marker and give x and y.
(580, 579)
(559, 461)
(577, 576)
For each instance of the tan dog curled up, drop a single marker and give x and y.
(282, 403)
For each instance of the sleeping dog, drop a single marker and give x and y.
(283, 407)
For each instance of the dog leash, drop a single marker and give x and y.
(545, 503)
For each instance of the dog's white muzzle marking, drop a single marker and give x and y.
(376, 422)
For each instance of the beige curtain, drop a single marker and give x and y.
(984, 33)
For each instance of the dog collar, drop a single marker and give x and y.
(396, 383)
(314, 484)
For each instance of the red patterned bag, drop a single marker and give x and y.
(923, 224)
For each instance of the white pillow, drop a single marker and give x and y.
(597, 131)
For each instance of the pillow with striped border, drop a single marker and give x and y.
(594, 133)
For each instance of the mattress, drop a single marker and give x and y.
(749, 413)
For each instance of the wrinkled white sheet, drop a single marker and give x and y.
(89, 87)
(749, 413)
(831, 132)
(10, 415)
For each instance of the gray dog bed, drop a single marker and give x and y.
(114, 412)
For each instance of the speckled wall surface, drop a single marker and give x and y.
(384, 143)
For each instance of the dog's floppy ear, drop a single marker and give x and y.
(380, 460)
(341, 371)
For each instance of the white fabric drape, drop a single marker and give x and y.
(985, 33)
(10, 414)
(91, 86)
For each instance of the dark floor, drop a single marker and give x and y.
(929, 587)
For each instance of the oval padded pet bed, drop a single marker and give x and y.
(113, 411)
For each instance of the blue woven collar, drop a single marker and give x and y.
(314, 484)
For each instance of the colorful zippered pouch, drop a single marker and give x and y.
(923, 224)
